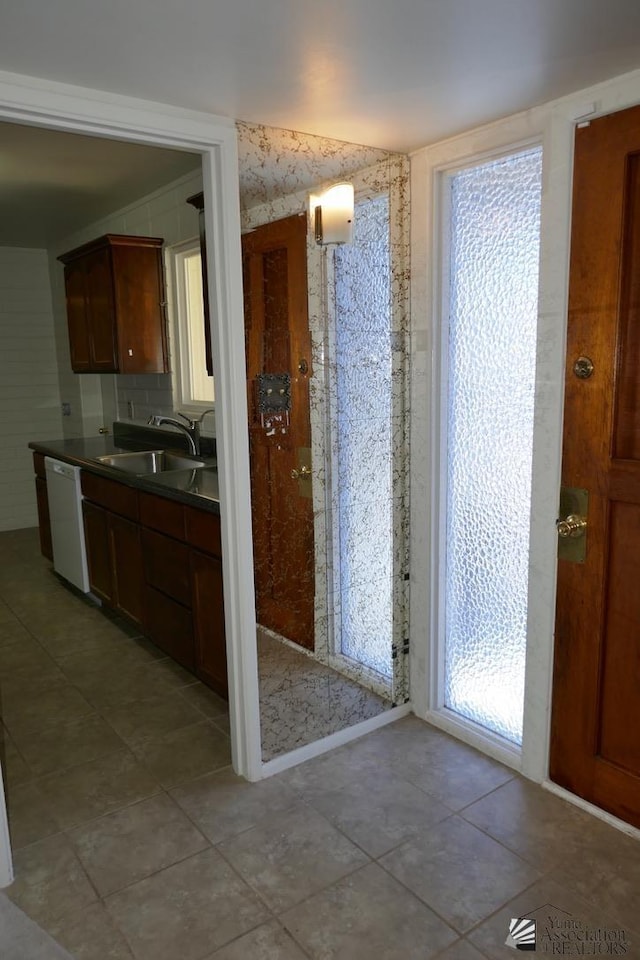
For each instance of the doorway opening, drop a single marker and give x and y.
(491, 230)
(326, 330)
(68, 110)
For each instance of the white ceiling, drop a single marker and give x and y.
(52, 183)
(391, 73)
(395, 74)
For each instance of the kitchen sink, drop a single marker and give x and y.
(142, 462)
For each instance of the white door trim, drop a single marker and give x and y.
(95, 113)
(554, 124)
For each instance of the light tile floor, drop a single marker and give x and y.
(134, 839)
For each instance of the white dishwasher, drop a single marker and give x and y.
(67, 530)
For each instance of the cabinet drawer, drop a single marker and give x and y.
(166, 565)
(203, 530)
(167, 516)
(115, 496)
(170, 627)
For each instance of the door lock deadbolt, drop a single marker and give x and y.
(583, 368)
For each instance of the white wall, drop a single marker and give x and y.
(98, 400)
(552, 124)
(29, 392)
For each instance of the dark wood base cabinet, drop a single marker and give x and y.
(169, 620)
(208, 616)
(44, 523)
(170, 627)
(183, 573)
(114, 549)
(159, 563)
(96, 537)
(125, 549)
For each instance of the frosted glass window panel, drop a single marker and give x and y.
(493, 306)
(364, 522)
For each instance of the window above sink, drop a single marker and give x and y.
(193, 388)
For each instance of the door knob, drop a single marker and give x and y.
(572, 526)
(301, 474)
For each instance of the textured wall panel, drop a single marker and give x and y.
(364, 441)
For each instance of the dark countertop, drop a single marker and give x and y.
(197, 487)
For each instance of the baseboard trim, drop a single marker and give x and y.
(592, 809)
(475, 736)
(318, 747)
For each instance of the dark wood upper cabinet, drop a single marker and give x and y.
(116, 305)
(197, 201)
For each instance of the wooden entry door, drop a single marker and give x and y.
(595, 743)
(278, 342)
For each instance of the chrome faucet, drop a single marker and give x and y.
(191, 428)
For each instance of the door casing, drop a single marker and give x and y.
(553, 124)
(96, 113)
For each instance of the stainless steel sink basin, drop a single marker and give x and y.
(141, 462)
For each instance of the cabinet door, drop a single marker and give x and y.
(170, 626)
(44, 524)
(100, 311)
(139, 307)
(208, 620)
(166, 565)
(75, 288)
(127, 568)
(96, 532)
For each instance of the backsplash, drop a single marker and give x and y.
(129, 434)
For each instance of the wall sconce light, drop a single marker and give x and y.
(333, 214)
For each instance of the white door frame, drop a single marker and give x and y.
(82, 110)
(438, 713)
(553, 124)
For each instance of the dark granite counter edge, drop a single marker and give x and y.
(81, 452)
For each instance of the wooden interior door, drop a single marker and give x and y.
(278, 342)
(595, 745)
